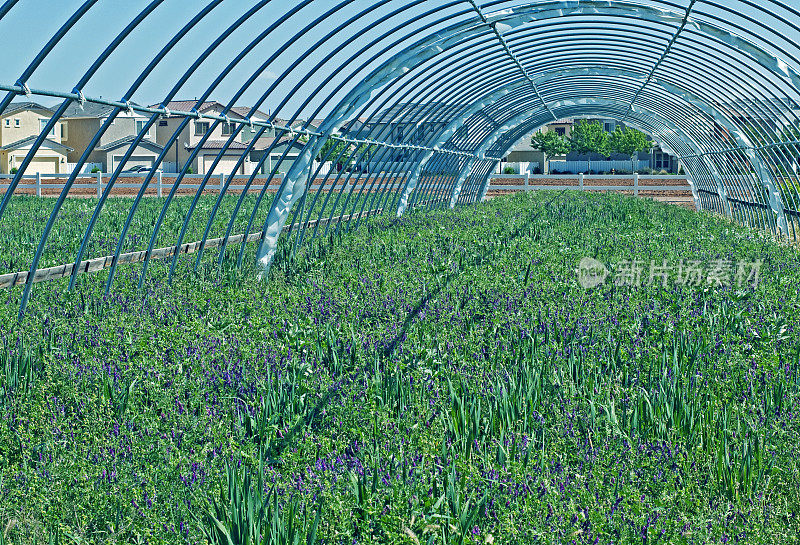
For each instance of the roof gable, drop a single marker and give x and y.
(128, 140)
(242, 111)
(47, 143)
(16, 107)
(93, 110)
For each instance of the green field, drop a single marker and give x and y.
(23, 223)
(442, 378)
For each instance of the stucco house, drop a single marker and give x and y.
(249, 132)
(193, 133)
(262, 145)
(83, 122)
(411, 124)
(525, 154)
(20, 125)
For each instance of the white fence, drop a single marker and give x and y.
(519, 168)
(579, 182)
(576, 167)
(161, 182)
(86, 169)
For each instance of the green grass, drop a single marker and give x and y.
(441, 378)
(22, 226)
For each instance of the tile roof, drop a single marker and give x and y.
(127, 141)
(21, 106)
(20, 143)
(242, 111)
(219, 144)
(93, 110)
(187, 105)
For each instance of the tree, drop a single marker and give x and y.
(629, 141)
(550, 143)
(364, 154)
(331, 149)
(589, 138)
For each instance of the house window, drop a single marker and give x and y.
(662, 160)
(228, 128)
(200, 128)
(399, 133)
(16, 122)
(609, 127)
(140, 124)
(163, 123)
(43, 126)
(561, 131)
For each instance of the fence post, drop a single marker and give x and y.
(99, 184)
(222, 182)
(527, 182)
(635, 184)
(38, 184)
(580, 181)
(160, 185)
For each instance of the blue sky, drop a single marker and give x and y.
(30, 23)
(28, 26)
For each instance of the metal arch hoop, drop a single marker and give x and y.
(654, 15)
(495, 119)
(495, 97)
(654, 130)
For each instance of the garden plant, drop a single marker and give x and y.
(441, 378)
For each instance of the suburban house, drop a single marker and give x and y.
(192, 134)
(249, 132)
(412, 124)
(274, 159)
(530, 159)
(83, 123)
(20, 125)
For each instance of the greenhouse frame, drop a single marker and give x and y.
(716, 83)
